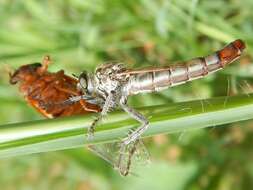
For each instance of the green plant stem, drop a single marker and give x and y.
(57, 134)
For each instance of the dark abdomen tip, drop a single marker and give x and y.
(240, 44)
(231, 52)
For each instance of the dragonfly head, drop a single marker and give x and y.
(84, 84)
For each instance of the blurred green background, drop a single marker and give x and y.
(80, 34)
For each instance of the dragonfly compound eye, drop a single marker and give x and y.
(83, 81)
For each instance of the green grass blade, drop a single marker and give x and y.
(64, 133)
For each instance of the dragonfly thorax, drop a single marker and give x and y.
(104, 81)
(107, 79)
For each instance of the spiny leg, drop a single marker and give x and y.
(106, 107)
(129, 154)
(133, 136)
(139, 117)
(76, 97)
(71, 100)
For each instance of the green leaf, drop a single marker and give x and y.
(58, 134)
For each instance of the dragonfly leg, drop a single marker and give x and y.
(139, 117)
(66, 102)
(126, 155)
(106, 108)
(128, 146)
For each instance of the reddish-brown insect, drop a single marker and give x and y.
(39, 86)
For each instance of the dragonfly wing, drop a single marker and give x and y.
(133, 155)
(142, 155)
(144, 70)
(105, 151)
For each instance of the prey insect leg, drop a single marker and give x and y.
(45, 62)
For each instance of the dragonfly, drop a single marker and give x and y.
(41, 88)
(112, 84)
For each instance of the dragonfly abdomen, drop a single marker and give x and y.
(157, 79)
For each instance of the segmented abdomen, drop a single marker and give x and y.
(156, 79)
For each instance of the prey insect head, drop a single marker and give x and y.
(25, 72)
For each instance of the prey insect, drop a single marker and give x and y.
(39, 86)
(114, 83)
(42, 89)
